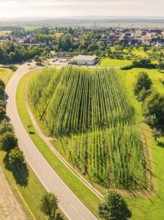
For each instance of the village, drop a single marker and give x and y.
(107, 36)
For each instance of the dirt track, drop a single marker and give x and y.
(10, 209)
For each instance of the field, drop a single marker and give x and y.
(114, 62)
(93, 123)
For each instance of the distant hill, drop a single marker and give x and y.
(102, 21)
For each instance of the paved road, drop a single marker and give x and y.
(68, 202)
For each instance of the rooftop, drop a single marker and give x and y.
(84, 57)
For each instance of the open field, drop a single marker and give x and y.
(114, 62)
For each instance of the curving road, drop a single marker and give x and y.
(73, 208)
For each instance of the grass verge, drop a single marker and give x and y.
(5, 74)
(29, 196)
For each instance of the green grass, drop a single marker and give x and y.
(155, 76)
(30, 194)
(82, 192)
(144, 208)
(4, 72)
(152, 208)
(114, 62)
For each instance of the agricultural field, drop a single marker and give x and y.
(114, 62)
(93, 123)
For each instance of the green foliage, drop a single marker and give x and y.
(5, 126)
(49, 205)
(114, 207)
(160, 66)
(2, 113)
(16, 157)
(156, 133)
(8, 141)
(2, 84)
(2, 91)
(143, 83)
(154, 105)
(37, 59)
(143, 63)
(143, 94)
(13, 67)
(66, 42)
(90, 112)
(11, 53)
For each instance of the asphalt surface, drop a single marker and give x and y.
(72, 207)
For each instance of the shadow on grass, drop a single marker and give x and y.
(161, 144)
(20, 172)
(59, 216)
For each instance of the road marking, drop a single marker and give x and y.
(73, 208)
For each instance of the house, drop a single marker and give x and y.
(84, 60)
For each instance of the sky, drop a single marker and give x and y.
(71, 8)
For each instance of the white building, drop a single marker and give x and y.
(84, 60)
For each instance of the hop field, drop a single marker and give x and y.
(89, 114)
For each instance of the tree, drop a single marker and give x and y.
(114, 207)
(154, 105)
(160, 66)
(141, 62)
(49, 205)
(2, 113)
(8, 141)
(156, 134)
(143, 81)
(37, 59)
(2, 84)
(5, 126)
(16, 157)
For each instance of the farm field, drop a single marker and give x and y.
(90, 116)
(114, 62)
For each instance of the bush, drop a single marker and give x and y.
(16, 157)
(13, 67)
(127, 67)
(143, 82)
(143, 94)
(8, 141)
